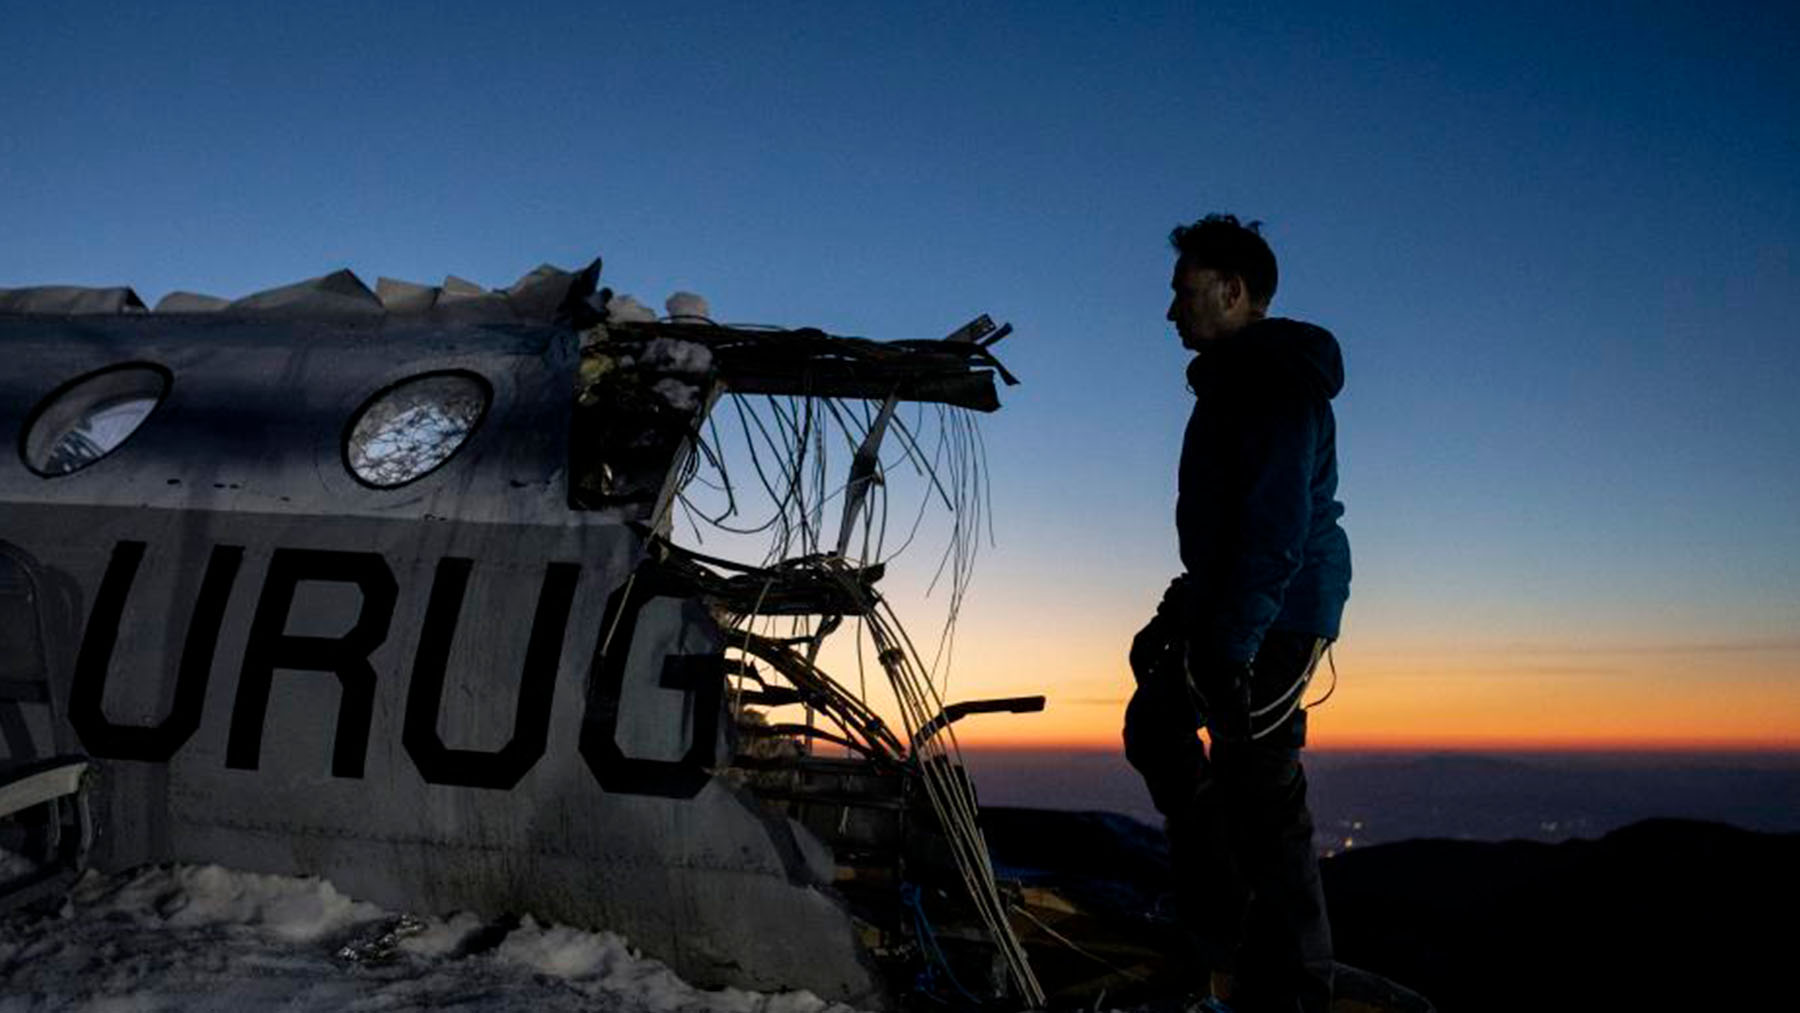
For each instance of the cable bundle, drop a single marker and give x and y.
(952, 798)
(787, 443)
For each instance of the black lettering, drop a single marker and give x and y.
(700, 676)
(347, 657)
(154, 743)
(475, 768)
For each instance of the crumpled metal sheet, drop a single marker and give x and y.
(545, 295)
(69, 299)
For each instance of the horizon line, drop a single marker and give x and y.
(1665, 748)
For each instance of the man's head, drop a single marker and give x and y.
(1224, 277)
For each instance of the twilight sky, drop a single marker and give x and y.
(1557, 242)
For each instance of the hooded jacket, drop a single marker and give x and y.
(1257, 513)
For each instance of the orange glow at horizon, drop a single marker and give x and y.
(1724, 697)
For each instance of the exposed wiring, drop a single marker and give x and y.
(787, 444)
(1073, 945)
(935, 961)
(1332, 660)
(1294, 693)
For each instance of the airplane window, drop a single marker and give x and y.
(410, 429)
(90, 418)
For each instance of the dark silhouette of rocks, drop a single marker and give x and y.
(1662, 912)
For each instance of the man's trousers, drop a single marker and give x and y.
(1240, 834)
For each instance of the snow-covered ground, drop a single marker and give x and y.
(204, 938)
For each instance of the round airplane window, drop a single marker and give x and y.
(410, 429)
(90, 417)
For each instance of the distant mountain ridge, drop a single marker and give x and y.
(1546, 797)
(1361, 799)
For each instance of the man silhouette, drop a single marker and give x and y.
(1240, 632)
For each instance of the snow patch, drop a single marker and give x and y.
(562, 951)
(203, 939)
(298, 910)
(672, 356)
(442, 938)
(603, 966)
(624, 309)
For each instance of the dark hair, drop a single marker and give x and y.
(1224, 244)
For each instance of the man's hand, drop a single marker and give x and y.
(1151, 647)
(1163, 634)
(1221, 689)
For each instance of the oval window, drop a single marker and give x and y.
(410, 429)
(91, 417)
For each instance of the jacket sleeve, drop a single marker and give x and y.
(1267, 460)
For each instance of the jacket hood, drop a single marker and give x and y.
(1276, 350)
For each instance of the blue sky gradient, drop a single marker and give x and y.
(1557, 242)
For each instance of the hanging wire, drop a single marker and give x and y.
(1290, 700)
(787, 443)
(1330, 659)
